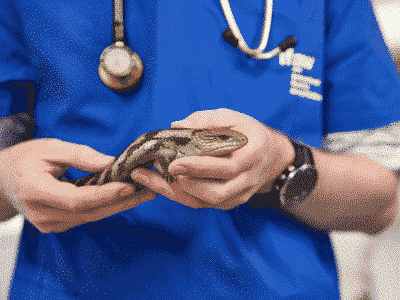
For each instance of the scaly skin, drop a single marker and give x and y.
(165, 146)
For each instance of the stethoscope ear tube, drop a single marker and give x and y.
(289, 42)
(233, 36)
(228, 36)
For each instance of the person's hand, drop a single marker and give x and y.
(223, 182)
(29, 175)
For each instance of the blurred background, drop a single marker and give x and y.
(368, 266)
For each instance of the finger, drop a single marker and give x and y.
(234, 202)
(217, 192)
(55, 227)
(77, 156)
(196, 193)
(208, 167)
(211, 119)
(60, 222)
(49, 219)
(64, 195)
(154, 181)
(173, 191)
(52, 220)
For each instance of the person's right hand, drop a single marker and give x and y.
(29, 174)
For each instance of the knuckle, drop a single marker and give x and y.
(62, 229)
(22, 195)
(232, 170)
(43, 228)
(85, 150)
(195, 115)
(39, 222)
(28, 202)
(74, 207)
(197, 205)
(93, 214)
(253, 181)
(226, 206)
(235, 168)
(53, 227)
(216, 197)
(46, 144)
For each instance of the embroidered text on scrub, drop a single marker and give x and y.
(300, 84)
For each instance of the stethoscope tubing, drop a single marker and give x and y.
(121, 69)
(242, 45)
(118, 22)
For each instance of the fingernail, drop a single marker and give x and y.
(127, 191)
(178, 123)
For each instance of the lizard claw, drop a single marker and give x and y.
(170, 178)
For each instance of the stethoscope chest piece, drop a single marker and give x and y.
(120, 68)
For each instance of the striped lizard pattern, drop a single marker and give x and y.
(165, 146)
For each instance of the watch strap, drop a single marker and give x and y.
(303, 156)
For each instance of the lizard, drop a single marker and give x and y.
(165, 146)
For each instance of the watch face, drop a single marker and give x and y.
(299, 185)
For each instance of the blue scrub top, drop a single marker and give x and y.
(162, 249)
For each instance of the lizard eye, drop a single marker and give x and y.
(181, 141)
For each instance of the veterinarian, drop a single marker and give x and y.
(81, 80)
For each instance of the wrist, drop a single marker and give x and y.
(284, 156)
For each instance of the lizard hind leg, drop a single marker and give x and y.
(164, 157)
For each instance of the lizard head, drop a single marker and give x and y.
(218, 142)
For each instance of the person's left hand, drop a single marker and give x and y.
(223, 182)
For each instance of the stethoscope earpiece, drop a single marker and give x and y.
(289, 42)
(229, 37)
(120, 68)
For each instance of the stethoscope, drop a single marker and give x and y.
(121, 69)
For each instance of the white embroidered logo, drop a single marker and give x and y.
(300, 84)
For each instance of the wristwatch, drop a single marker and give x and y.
(298, 180)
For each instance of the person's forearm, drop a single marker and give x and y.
(353, 192)
(13, 129)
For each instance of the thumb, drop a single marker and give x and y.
(181, 124)
(77, 156)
